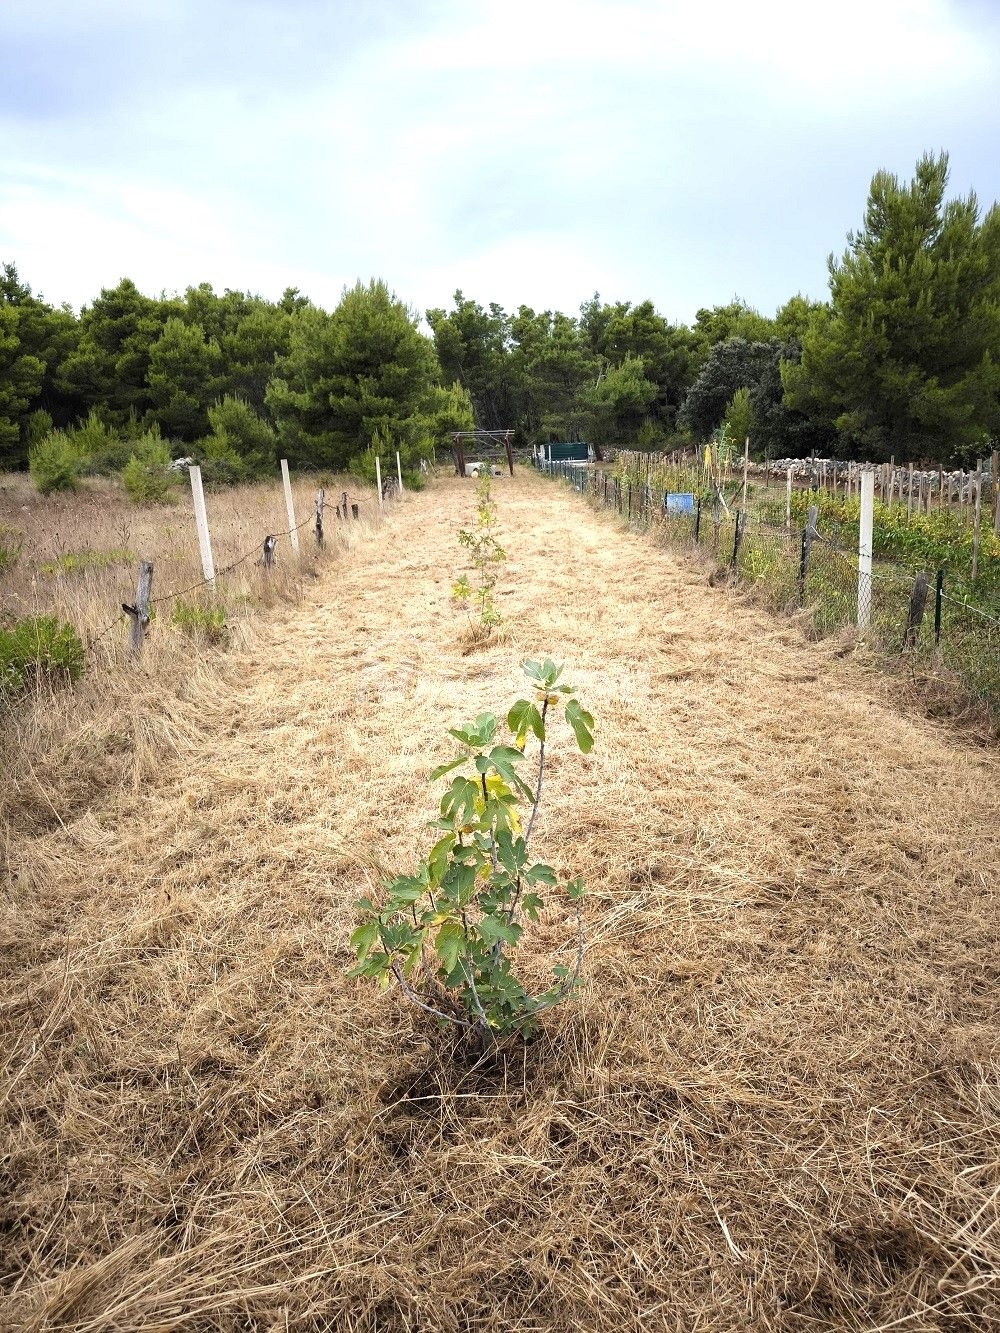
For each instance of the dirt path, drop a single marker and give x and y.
(775, 1105)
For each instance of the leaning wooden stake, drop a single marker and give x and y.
(139, 613)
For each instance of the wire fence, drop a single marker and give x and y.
(911, 615)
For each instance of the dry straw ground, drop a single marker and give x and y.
(775, 1105)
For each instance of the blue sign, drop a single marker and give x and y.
(678, 503)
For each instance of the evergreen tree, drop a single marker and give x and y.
(364, 369)
(621, 400)
(109, 367)
(34, 339)
(184, 378)
(474, 348)
(906, 360)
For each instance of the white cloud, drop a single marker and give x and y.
(537, 150)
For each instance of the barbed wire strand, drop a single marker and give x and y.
(228, 569)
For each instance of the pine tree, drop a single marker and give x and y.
(906, 359)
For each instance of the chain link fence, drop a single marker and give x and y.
(910, 615)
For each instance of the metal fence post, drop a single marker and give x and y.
(938, 597)
(697, 522)
(737, 535)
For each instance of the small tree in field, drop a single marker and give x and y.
(486, 554)
(738, 423)
(445, 932)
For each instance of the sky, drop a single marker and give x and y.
(526, 152)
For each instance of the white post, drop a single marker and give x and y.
(289, 506)
(378, 478)
(865, 549)
(788, 502)
(399, 472)
(201, 520)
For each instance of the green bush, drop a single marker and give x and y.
(39, 648)
(55, 463)
(104, 451)
(74, 562)
(220, 464)
(208, 622)
(39, 425)
(239, 433)
(146, 476)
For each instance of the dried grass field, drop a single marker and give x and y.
(774, 1106)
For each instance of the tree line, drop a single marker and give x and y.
(902, 359)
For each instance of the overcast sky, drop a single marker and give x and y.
(529, 151)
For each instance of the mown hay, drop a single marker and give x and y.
(775, 1105)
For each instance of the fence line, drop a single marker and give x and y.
(809, 568)
(138, 613)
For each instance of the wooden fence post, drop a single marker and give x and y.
(267, 557)
(378, 481)
(320, 501)
(139, 613)
(201, 521)
(289, 506)
(915, 613)
(995, 496)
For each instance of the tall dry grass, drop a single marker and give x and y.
(775, 1105)
(78, 561)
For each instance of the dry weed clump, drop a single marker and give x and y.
(775, 1106)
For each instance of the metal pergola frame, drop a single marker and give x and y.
(458, 438)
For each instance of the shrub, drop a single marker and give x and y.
(39, 425)
(55, 463)
(103, 450)
(206, 621)
(146, 476)
(74, 562)
(220, 464)
(445, 932)
(39, 648)
(239, 433)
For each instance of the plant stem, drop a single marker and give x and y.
(421, 1004)
(541, 771)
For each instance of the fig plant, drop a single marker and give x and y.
(445, 933)
(486, 554)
